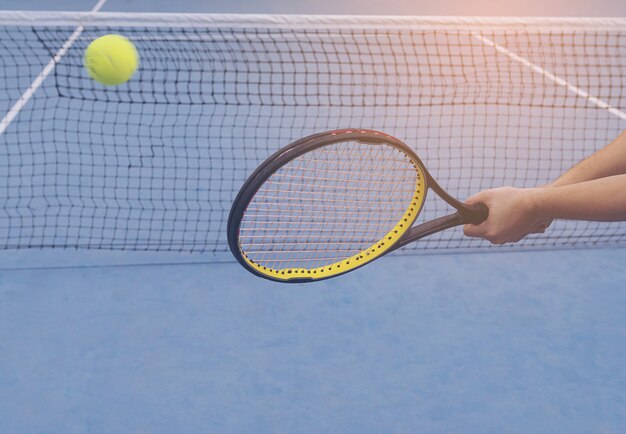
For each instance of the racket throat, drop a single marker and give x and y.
(429, 228)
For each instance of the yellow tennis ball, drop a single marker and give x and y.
(111, 59)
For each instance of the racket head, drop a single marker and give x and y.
(326, 204)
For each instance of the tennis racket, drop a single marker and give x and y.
(332, 202)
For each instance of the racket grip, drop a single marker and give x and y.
(476, 213)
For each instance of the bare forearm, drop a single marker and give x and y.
(601, 199)
(594, 189)
(608, 161)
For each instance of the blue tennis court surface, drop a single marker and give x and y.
(127, 342)
(481, 343)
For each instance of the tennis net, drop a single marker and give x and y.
(155, 164)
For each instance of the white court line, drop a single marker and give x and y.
(27, 95)
(553, 77)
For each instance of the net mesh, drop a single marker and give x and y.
(328, 205)
(154, 164)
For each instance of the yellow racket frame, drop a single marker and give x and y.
(401, 234)
(377, 249)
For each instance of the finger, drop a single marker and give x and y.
(478, 198)
(474, 231)
(538, 229)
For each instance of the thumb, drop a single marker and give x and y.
(477, 231)
(538, 229)
(474, 231)
(482, 197)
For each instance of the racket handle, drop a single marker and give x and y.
(475, 214)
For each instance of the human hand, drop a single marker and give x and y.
(514, 213)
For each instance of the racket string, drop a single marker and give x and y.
(339, 199)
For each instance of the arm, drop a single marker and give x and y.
(516, 212)
(594, 189)
(608, 161)
(601, 199)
